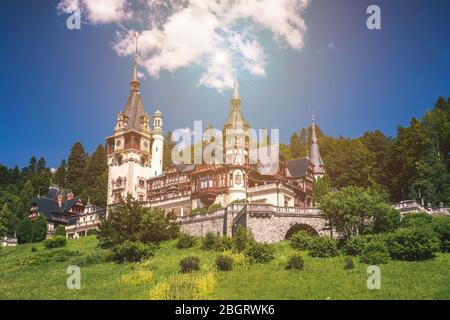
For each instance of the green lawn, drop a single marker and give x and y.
(160, 278)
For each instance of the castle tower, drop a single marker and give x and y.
(236, 131)
(157, 145)
(314, 155)
(128, 149)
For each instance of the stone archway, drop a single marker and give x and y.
(300, 227)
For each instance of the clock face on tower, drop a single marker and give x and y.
(145, 144)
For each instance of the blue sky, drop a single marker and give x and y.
(60, 86)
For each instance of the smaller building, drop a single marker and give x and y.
(68, 211)
(413, 206)
(79, 225)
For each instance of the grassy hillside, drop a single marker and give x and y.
(23, 276)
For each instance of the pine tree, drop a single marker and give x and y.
(5, 217)
(76, 167)
(39, 230)
(24, 231)
(96, 178)
(60, 175)
(26, 196)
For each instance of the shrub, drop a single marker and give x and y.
(242, 238)
(209, 241)
(224, 263)
(214, 207)
(301, 240)
(323, 247)
(91, 232)
(34, 249)
(47, 256)
(295, 262)
(416, 220)
(55, 242)
(348, 263)
(198, 211)
(39, 229)
(260, 253)
(441, 227)
(132, 252)
(92, 259)
(185, 241)
(413, 244)
(190, 264)
(223, 244)
(60, 231)
(355, 245)
(375, 253)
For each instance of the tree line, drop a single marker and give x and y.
(83, 175)
(414, 164)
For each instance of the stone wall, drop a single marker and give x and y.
(267, 223)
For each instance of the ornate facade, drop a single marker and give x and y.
(135, 154)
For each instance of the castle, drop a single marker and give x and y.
(135, 161)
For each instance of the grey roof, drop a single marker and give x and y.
(47, 206)
(297, 168)
(316, 159)
(134, 110)
(236, 120)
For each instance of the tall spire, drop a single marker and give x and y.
(316, 159)
(236, 95)
(135, 80)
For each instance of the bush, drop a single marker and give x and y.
(260, 253)
(132, 252)
(91, 232)
(354, 246)
(55, 242)
(301, 240)
(348, 263)
(295, 262)
(375, 253)
(224, 263)
(323, 247)
(214, 207)
(441, 227)
(198, 211)
(39, 229)
(209, 241)
(185, 241)
(242, 238)
(190, 264)
(92, 259)
(413, 244)
(223, 244)
(60, 231)
(34, 249)
(416, 220)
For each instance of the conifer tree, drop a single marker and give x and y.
(96, 178)
(76, 167)
(60, 175)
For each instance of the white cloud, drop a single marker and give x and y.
(183, 33)
(98, 11)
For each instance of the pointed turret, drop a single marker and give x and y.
(314, 155)
(134, 108)
(235, 118)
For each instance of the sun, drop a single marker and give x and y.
(221, 58)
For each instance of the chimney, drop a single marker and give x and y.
(60, 199)
(70, 196)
